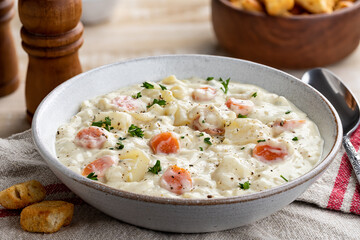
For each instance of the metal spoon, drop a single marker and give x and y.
(345, 104)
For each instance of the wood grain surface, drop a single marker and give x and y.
(51, 35)
(144, 28)
(295, 42)
(9, 80)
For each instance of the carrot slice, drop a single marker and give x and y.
(263, 151)
(165, 142)
(99, 166)
(91, 137)
(204, 94)
(239, 106)
(176, 179)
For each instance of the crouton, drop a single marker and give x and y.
(22, 195)
(46, 216)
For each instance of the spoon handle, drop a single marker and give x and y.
(353, 156)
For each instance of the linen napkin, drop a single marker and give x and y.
(336, 190)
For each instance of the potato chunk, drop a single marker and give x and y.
(137, 163)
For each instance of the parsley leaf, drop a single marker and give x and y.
(254, 95)
(147, 85)
(241, 116)
(201, 149)
(136, 131)
(92, 176)
(201, 134)
(210, 78)
(138, 95)
(162, 87)
(120, 145)
(295, 139)
(156, 101)
(284, 178)
(207, 141)
(105, 124)
(242, 148)
(245, 185)
(225, 84)
(261, 140)
(182, 137)
(156, 168)
(288, 112)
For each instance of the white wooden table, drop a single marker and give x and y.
(145, 28)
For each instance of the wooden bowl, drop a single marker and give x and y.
(304, 41)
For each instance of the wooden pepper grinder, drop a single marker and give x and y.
(9, 80)
(51, 35)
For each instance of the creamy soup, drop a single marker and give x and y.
(192, 138)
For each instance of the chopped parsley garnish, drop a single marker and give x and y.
(138, 95)
(242, 116)
(284, 178)
(136, 131)
(201, 149)
(156, 168)
(92, 176)
(242, 148)
(147, 85)
(105, 124)
(295, 139)
(203, 121)
(245, 185)
(254, 95)
(120, 145)
(162, 87)
(182, 137)
(111, 148)
(210, 78)
(201, 134)
(288, 112)
(207, 141)
(225, 84)
(121, 138)
(156, 101)
(261, 140)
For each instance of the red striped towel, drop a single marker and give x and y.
(337, 189)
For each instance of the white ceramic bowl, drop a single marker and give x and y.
(97, 11)
(182, 215)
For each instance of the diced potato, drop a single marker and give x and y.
(181, 117)
(229, 172)
(246, 130)
(137, 162)
(119, 120)
(167, 96)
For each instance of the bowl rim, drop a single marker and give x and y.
(318, 16)
(52, 160)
